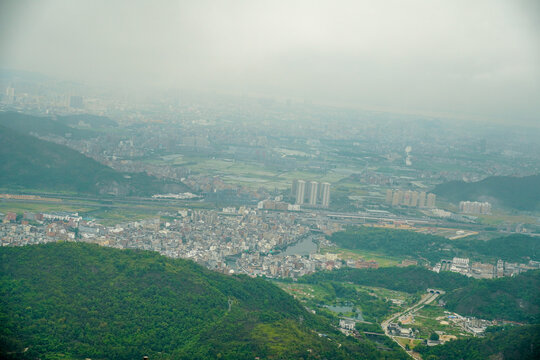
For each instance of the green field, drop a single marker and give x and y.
(112, 216)
(411, 342)
(346, 254)
(105, 215)
(21, 207)
(246, 173)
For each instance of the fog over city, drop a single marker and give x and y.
(464, 59)
(242, 180)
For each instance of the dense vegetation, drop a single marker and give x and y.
(514, 298)
(42, 126)
(410, 279)
(511, 298)
(27, 162)
(522, 343)
(372, 307)
(434, 248)
(522, 193)
(76, 301)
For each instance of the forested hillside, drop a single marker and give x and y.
(522, 343)
(42, 126)
(27, 162)
(410, 279)
(517, 247)
(77, 301)
(522, 193)
(512, 298)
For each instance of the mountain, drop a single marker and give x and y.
(42, 126)
(77, 301)
(522, 343)
(27, 162)
(521, 193)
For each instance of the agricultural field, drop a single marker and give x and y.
(347, 254)
(20, 207)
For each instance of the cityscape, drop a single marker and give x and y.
(269, 180)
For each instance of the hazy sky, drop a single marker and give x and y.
(479, 58)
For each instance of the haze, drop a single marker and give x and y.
(469, 59)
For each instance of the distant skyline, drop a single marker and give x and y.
(478, 59)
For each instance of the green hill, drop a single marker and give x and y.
(433, 248)
(27, 162)
(522, 193)
(512, 298)
(77, 301)
(410, 279)
(522, 343)
(42, 126)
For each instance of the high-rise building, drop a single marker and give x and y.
(430, 203)
(300, 191)
(10, 94)
(397, 197)
(312, 193)
(406, 201)
(414, 199)
(474, 207)
(325, 194)
(76, 102)
(293, 188)
(422, 200)
(388, 196)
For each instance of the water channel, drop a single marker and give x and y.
(303, 247)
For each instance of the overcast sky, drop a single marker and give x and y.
(477, 58)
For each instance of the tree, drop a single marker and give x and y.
(434, 336)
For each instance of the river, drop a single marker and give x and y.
(305, 246)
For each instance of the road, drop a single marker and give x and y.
(426, 299)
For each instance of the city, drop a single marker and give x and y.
(269, 180)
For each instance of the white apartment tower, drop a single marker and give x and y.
(422, 200)
(325, 194)
(430, 203)
(300, 191)
(312, 193)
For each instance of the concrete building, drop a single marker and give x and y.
(430, 203)
(460, 265)
(406, 201)
(422, 200)
(312, 193)
(396, 198)
(474, 207)
(10, 94)
(389, 196)
(76, 102)
(325, 194)
(414, 199)
(293, 188)
(300, 192)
